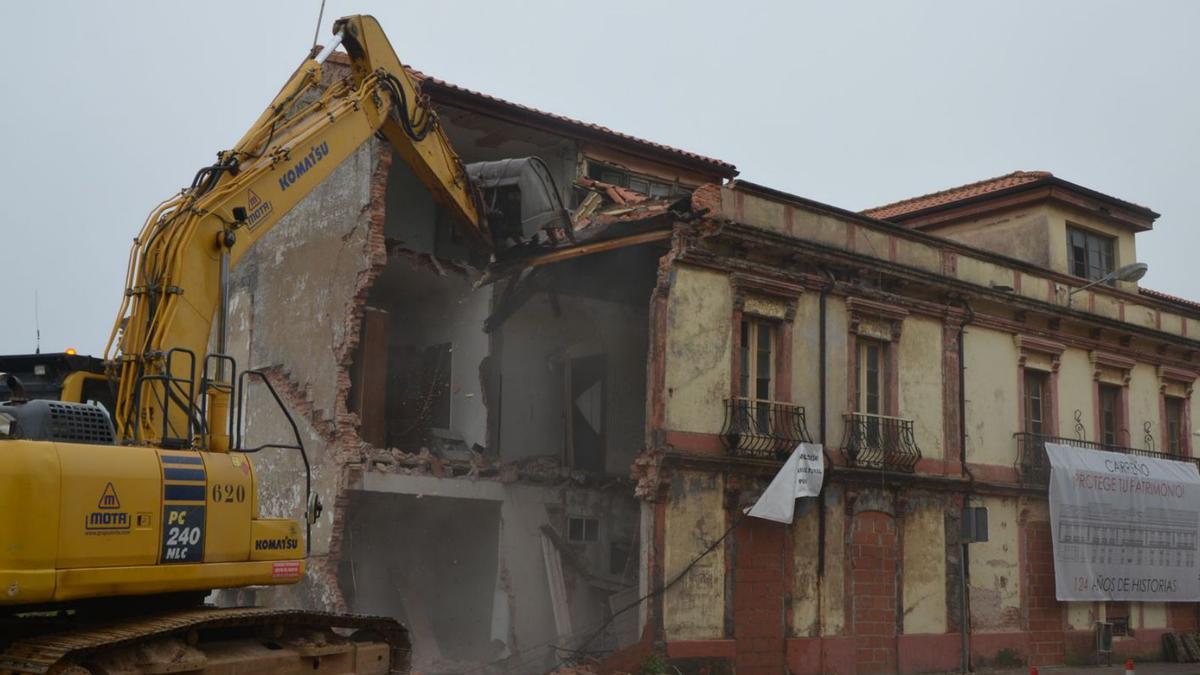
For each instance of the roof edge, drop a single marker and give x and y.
(1048, 180)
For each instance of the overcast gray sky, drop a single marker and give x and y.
(111, 107)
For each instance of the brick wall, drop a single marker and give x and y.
(874, 554)
(1045, 613)
(758, 597)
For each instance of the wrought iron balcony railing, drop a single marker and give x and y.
(880, 442)
(1033, 464)
(763, 429)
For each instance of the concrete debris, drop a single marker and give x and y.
(605, 204)
(473, 463)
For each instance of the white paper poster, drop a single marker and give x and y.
(1124, 527)
(801, 476)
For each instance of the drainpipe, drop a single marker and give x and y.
(964, 594)
(824, 395)
(824, 414)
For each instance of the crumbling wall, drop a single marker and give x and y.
(296, 308)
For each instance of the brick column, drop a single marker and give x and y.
(758, 597)
(1046, 646)
(874, 555)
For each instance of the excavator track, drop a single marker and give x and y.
(216, 640)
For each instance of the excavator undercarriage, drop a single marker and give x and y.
(205, 640)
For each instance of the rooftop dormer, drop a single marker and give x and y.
(1032, 216)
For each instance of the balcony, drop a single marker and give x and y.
(880, 442)
(763, 429)
(1033, 464)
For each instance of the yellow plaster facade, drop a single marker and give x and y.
(694, 607)
(698, 350)
(924, 556)
(907, 292)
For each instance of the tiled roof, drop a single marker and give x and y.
(955, 194)
(724, 168)
(1151, 293)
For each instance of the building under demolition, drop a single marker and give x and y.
(545, 456)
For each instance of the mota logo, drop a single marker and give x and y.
(108, 518)
(108, 499)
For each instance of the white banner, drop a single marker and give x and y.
(801, 476)
(1124, 527)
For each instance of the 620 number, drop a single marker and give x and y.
(228, 493)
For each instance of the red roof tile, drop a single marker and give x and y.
(955, 194)
(1149, 292)
(723, 168)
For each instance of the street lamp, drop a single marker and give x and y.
(1130, 272)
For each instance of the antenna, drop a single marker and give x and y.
(37, 324)
(320, 15)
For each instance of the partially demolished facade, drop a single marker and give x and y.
(545, 458)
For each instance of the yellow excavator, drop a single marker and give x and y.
(126, 489)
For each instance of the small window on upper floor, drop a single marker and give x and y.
(1176, 434)
(1091, 254)
(650, 187)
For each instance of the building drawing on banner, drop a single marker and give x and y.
(1124, 527)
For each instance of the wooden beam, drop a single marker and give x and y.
(504, 269)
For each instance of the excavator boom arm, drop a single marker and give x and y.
(179, 264)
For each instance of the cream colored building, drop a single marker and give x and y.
(932, 345)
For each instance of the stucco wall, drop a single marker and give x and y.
(806, 360)
(1144, 406)
(833, 589)
(694, 608)
(994, 569)
(924, 565)
(1075, 387)
(698, 350)
(1023, 234)
(838, 383)
(991, 393)
(805, 583)
(921, 379)
(307, 266)
(292, 300)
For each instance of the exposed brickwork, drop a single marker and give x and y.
(1045, 613)
(758, 597)
(874, 557)
(1183, 617)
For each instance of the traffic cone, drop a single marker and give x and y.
(1129, 667)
